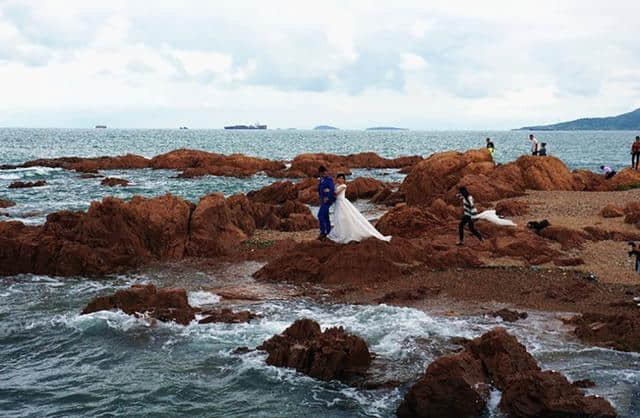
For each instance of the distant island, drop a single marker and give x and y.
(325, 128)
(625, 122)
(386, 128)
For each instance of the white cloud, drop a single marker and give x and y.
(491, 64)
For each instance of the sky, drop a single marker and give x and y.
(432, 65)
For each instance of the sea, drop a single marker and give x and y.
(55, 362)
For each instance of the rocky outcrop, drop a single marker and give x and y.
(163, 304)
(549, 394)
(195, 163)
(92, 165)
(620, 331)
(441, 174)
(6, 203)
(113, 181)
(508, 315)
(328, 355)
(227, 316)
(363, 188)
(612, 211)
(408, 221)
(369, 261)
(567, 237)
(452, 386)
(111, 236)
(632, 213)
(457, 385)
(512, 208)
(24, 185)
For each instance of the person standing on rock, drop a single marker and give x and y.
(469, 211)
(635, 153)
(534, 145)
(490, 147)
(326, 192)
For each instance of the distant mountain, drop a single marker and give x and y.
(625, 122)
(386, 128)
(325, 128)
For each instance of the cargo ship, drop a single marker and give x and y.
(255, 126)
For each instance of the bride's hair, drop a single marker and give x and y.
(341, 176)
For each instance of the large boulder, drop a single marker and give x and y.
(453, 386)
(512, 208)
(214, 228)
(549, 394)
(363, 188)
(163, 304)
(456, 385)
(328, 355)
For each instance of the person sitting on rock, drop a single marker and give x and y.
(469, 211)
(608, 172)
(542, 152)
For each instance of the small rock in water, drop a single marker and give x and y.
(226, 315)
(509, 315)
(112, 182)
(584, 383)
(22, 185)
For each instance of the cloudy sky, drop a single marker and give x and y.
(352, 64)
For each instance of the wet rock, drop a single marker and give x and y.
(6, 203)
(332, 354)
(457, 385)
(90, 176)
(195, 163)
(612, 211)
(509, 315)
(163, 304)
(227, 316)
(112, 181)
(512, 208)
(404, 295)
(242, 350)
(549, 394)
(618, 331)
(453, 386)
(23, 185)
(92, 165)
(583, 383)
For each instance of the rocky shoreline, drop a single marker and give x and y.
(550, 269)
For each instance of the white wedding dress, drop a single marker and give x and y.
(348, 223)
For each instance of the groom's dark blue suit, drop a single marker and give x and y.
(326, 191)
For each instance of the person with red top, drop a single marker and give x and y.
(635, 153)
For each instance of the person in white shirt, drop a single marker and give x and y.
(534, 145)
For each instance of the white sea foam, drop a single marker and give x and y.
(202, 298)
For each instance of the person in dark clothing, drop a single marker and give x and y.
(636, 252)
(469, 211)
(635, 153)
(608, 172)
(490, 147)
(543, 150)
(327, 194)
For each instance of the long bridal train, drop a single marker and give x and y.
(348, 223)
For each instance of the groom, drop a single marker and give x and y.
(326, 191)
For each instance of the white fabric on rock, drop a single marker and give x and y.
(491, 216)
(348, 223)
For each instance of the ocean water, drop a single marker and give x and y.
(66, 190)
(55, 362)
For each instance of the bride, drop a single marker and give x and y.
(348, 223)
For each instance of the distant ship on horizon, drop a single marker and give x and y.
(101, 126)
(254, 126)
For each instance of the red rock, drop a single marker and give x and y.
(567, 237)
(549, 394)
(112, 181)
(196, 163)
(632, 213)
(576, 261)
(332, 354)
(162, 304)
(453, 386)
(502, 356)
(214, 229)
(227, 316)
(509, 315)
(363, 188)
(620, 332)
(6, 203)
(512, 208)
(612, 211)
(407, 221)
(599, 234)
(92, 165)
(387, 196)
(23, 185)
(583, 383)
